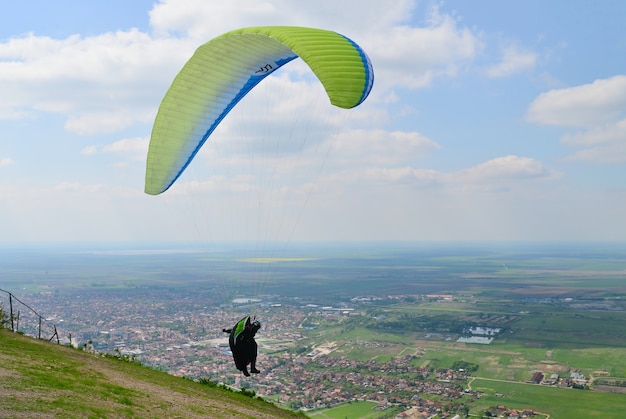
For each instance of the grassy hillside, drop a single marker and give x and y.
(42, 379)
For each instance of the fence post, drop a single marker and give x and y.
(39, 335)
(55, 334)
(11, 311)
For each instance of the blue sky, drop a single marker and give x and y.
(488, 120)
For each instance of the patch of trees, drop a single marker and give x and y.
(614, 383)
(465, 366)
(416, 323)
(5, 320)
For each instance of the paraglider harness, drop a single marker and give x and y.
(242, 344)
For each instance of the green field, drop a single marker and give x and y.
(559, 403)
(356, 410)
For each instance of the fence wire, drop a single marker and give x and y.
(22, 318)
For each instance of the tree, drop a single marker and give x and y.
(4, 317)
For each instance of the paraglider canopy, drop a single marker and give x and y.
(222, 71)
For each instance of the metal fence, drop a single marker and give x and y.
(22, 318)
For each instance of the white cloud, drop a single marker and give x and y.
(89, 150)
(235, 184)
(73, 211)
(604, 144)
(5, 161)
(504, 168)
(514, 60)
(581, 106)
(499, 174)
(101, 83)
(377, 147)
(610, 133)
(105, 121)
(204, 20)
(598, 108)
(79, 188)
(412, 57)
(613, 154)
(128, 145)
(138, 145)
(402, 175)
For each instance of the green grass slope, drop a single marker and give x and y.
(41, 379)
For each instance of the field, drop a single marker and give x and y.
(360, 410)
(559, 403)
